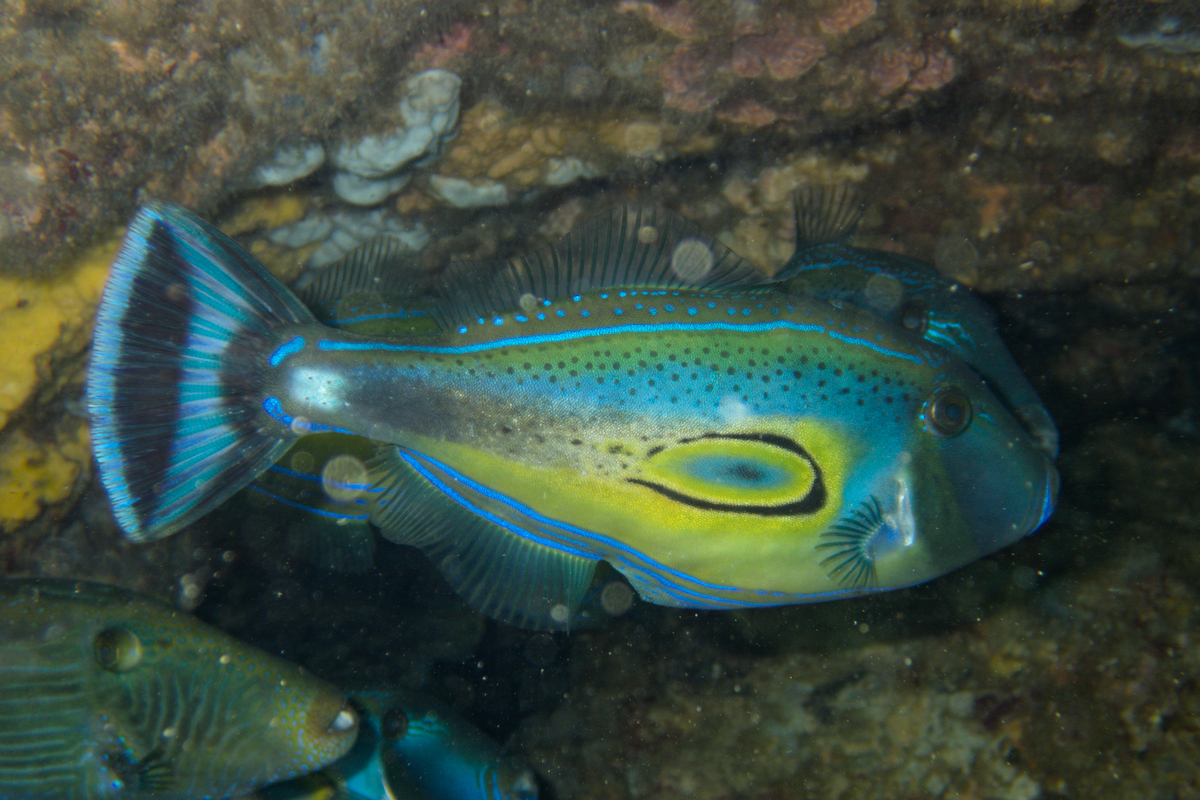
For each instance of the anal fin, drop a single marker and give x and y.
(501, 560)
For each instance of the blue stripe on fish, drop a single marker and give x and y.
(414, 461)
(287, 349)
(518, 341)
(173, 432)
(310, 509)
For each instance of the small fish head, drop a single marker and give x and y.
(232, 718)
(974, 482)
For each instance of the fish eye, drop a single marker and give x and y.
(395, 723)
(914, 316)
(947, 412)
(117, 650)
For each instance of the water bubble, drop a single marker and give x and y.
(541, 650)
(344, 478)
(732, 409)
(616, 598)
(1025, 578)
(957, 257)
(692, 260)
(303, 461)
(883, 292)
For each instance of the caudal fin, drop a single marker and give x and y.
(177, 425)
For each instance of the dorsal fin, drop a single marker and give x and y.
(827, 214)
(377, 266)
(635, 245)
(375, 289)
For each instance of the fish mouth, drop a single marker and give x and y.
(1045, 500)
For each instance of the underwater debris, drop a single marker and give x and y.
(289, 164)
(338, 233)
(468, 194)
(427, 111)
(1175, 28)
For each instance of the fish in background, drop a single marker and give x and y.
(910, 293)
(636, 394)
(414, 748)
(108, 694)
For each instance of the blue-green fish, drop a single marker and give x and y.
(636, 394)
(107, 694)
(910, 293)
(414, 748)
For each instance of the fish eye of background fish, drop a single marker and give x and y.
(117, 649)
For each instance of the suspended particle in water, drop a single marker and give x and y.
(647, 234)
(344, 478)
(528, 303)
(691, 260)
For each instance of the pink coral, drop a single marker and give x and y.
(912, 68)
(749, 112)
(454, 43)
(890, 68)
(676, 19)
(685, 80)
(785, 52)
(745, 62)
(846, 16)
(937, 71)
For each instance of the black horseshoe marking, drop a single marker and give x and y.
(811, 503)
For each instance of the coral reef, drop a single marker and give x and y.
(1045, 153)
(427, 112)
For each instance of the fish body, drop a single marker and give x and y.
(444, 757)
(911, 294)
(721, 444)
(414, 748)
(107, 694)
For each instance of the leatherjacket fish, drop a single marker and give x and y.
(636, 394)
(107, 694)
